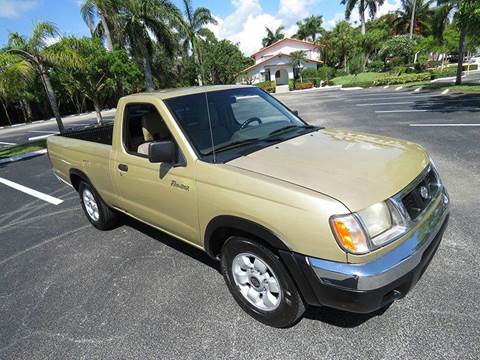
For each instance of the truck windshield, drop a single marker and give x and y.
(233, 119)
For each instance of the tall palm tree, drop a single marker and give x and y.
(363, 6)
(273, 36)
(146, 23)
(414, 17)
(194, 26)
(309, 28)
(91, 9)
(36, 51)
(466, 14)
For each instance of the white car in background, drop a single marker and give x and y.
(475, 59)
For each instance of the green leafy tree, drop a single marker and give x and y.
(144, 24)
(400, 46)
(310, 28)
(363, 6)
(346, 42)
(325, 44)
(195, 22)
(224, 62)
(273, 36)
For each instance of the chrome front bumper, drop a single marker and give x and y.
(391, 266)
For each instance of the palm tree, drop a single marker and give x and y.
(273, 37)
(195, 21)
(98, 8)
(146, 23)
(36, 51)
(415, 16)
(297, 58)
(309, 28)
(363, 6)
(15, 74)
(325, 44)
(466, 14)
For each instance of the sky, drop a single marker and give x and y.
(241, 21)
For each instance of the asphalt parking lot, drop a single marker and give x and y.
(68, 290)
(20, 134)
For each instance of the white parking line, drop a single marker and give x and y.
(40, 137)
(399, 111)
(31, 192)
(43, 131)
(7, 143)
(392, 103)
(410, 96)
(399, 88)
(444, 125)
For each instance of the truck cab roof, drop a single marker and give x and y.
(175, 92)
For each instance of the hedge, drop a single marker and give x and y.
(402, 79)
(269, 86)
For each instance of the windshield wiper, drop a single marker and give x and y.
(232, 145)
(288, 128)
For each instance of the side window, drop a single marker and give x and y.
(143, 125)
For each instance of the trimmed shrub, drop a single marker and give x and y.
(304, 85)
(446, 72)
(402, 79)
(269, 86)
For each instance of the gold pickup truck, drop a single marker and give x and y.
(296, 214)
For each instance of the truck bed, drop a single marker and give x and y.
(99, 134)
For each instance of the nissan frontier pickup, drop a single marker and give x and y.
(296, 214)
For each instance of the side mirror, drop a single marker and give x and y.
(295, 112)
(162, 152)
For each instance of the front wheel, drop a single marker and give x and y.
(260, 283)
(97, 212)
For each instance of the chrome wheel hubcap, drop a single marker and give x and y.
(90, 205)
(256, 281)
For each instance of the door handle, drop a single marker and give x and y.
(123, 167)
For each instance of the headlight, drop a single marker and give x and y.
(368, 229)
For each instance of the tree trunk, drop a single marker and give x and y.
(196, 58)
(98, 111)
(412, 19)
(362, 21)
(147, 69)
(9, 119)
(28, 110)
(461, 53)
(108, 36)
(51, 96)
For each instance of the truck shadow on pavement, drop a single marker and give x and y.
(454, 103)
(171, 242)
(323, 314)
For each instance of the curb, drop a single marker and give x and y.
(23, 156)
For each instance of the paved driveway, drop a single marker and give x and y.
(70, 291)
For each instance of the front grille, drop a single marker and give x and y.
(418, 199)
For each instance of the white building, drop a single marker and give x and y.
(273, 62)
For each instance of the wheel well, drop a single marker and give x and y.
(75, 180)
(223, 227)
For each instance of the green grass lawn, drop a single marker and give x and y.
(23, 149)
(469, 88)
(362, 78)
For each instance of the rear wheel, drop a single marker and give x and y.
(98, 213)
(260, 283)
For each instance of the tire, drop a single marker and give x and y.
(97, 212)
(276, 302)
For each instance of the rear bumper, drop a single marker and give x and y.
(366, 287)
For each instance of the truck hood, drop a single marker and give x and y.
(355, 168)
